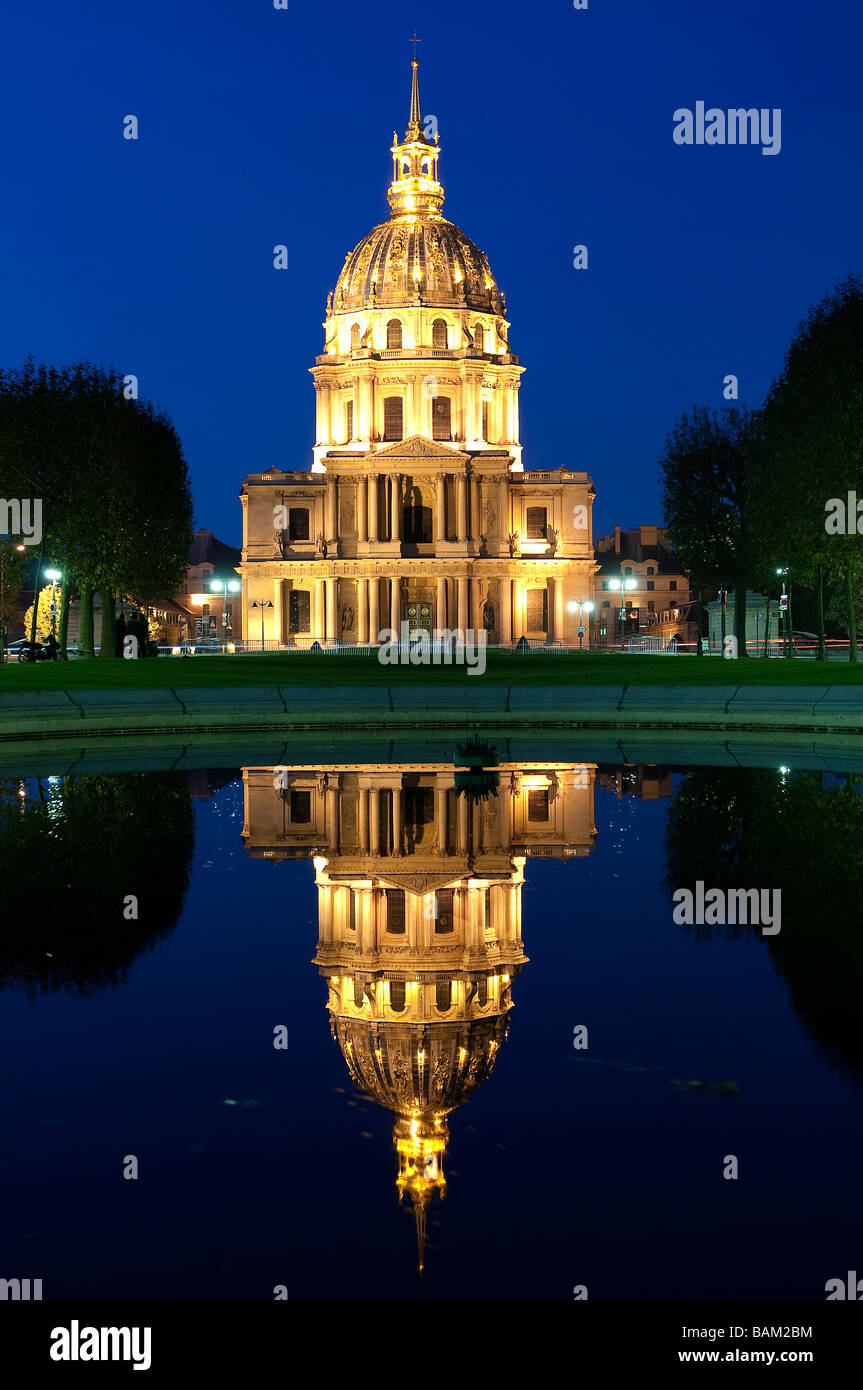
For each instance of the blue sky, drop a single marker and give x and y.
(259, 127)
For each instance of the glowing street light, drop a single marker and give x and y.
(584, 605)
(225, 586)
(53, 575)
(622, 585)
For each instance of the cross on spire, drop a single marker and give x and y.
(415, 41)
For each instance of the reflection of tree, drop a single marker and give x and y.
(745, 828)
(71, 854)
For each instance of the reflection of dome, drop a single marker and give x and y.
(433, 255)
(414, 1068)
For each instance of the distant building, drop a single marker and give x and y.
(760, 610)
(210, 613)
(659, 602)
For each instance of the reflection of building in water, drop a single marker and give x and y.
(647, 781)
(419, 922)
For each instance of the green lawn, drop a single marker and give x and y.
(503, 668)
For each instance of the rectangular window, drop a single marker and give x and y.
(301, 808)
(485, 406)
(651, 584)
(395, 910)
(672, 584)
(537, 806)
(299, 611)
(537, 610)
(349, 421)
(536, 522)
(442, 418)
(605, 583)
(352, 911)
(444, 910)
(605, 603)
(392, 417)
(650, 607)
(298, 523)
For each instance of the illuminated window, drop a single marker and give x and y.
(479, 338)
(206, 610)
(537, 805)
(397, 995)
(442, 418)
(355, 336)
(443, 995)
(444, 900)
(439, 333)
(393, 417)
(394, 335)
(536, 518)
(395, 910)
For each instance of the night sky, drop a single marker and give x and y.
(259, 127)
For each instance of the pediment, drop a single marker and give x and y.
(418, 447)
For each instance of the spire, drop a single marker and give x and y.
(415, 123)
(415, 187)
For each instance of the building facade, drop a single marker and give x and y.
(417, 507)
(656, 594)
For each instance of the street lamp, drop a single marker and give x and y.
(784, 605)
(53, 575)
(262, 604)
(585, 605)
(621, 585)
(225, 586)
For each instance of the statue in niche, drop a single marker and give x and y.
(320, 546)
(347, 619)
(553, 538)
(488, 615)
(512, 540)
(283, 543)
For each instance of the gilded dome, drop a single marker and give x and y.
(412, 1068)
(419, 260)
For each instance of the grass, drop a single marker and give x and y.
(502, 668)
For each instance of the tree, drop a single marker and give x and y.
(45, 623)
(13, 569)
(704, 469)
(117, 506)
(811, 449)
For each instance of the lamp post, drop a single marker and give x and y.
(20, 549)
(262, 604)
(621, 585)
(583, 605)
(53, 575)
(784, 609)
(225, 587)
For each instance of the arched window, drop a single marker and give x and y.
(442, 418)
(355, 336)
(439, 333)
(397, 995)
(393, 426)
(394, 334)
(443, 995)
(479, 337)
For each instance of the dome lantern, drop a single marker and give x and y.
(415, 187)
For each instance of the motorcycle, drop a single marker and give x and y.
(36, 651)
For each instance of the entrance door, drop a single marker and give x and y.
(419, 619)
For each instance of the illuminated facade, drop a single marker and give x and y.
(419, 875)
(417, 507)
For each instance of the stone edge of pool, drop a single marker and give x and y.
(808, 709)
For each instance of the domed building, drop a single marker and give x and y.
(417, 507)
(419, 923)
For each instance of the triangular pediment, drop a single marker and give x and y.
(418, 447)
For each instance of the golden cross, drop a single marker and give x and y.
(415, 41)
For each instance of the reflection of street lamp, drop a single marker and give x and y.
(225, 586)
(621, 585)
(262, 604)
(20, 549)
(53, 575)
(582, 604)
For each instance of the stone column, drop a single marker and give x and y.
(333, 817)
(506, 610)
(363, 428)
(363, 510)
(318, 621)
(331, 509)
(332, 616)
(558, 610)
(461, 508)
(324, 415)
(440, 818)
(362, 611)
(461, 840)
(441, 508)
(395, 607)
(363, 819)
(397, 822)
(474, 506)
(374, 820)
(463, 612)
(373, 506)
(395, 506)
(440, 606)
(278, 619)
(374, 611)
